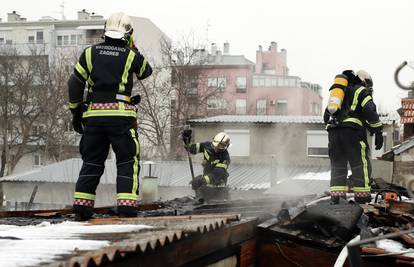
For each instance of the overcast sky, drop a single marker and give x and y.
(322, 37)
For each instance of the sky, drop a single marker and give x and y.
(322, 37)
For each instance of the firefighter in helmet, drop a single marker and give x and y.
(350, 113)
(216, 159)
(107, 117)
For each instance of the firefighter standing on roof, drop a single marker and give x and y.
(350, 112)
(109, 115)
(216, 159)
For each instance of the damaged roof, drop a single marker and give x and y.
(102, 240)
(397, 150)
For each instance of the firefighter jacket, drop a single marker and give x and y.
(107, 69)
(357, 111)
(212, 159)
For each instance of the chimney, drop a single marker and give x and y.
(273, 47)
(96, 16)
(83, 15)
(213, 49)
(218, 56)
(226, 48)
(283, 53)
(14, 16)
(259, 60)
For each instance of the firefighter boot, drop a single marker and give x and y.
(127, 211)
(82, 213)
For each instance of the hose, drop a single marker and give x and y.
(397, 81)
(344, 253)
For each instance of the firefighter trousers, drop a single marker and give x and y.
(94, 148)
(349, 145)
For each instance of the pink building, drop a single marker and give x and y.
(261, 88)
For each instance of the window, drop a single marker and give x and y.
(216, 103)
(221, 83)
(241, 84)
(281, 107)
(212, 82)
(240, 140)
(240, 106)
(39, 37)
(378, 153)
(317, 144)
(73, 39)
(31, 39)
(37, 160)
(65, 39)
(396, 136)
(261, 107)
(60, 40)
(1, 40)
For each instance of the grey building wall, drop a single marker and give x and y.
(284, 144)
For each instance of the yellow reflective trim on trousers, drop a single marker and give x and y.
(207, 179)
(198, 148)
(206, 155)
(221, 165)
(143, 67)
(106, 113)
(364, 164)
(354, 120)
(124, 78)
(88, 55)
(135, 166)
(84, 196)
(127, 196)
(356, 95)
(365, 101)
(81, 71)
(376, 125)
(339, 188)
(362, 189)
(74, 105)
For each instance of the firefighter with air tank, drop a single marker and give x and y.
(351, 111)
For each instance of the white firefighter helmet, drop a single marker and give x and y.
(365, 78)
(118, 26)
(221, 141)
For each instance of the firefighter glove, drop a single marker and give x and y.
(77, 120)
(379, 140)
(186, 135)
(136, 99)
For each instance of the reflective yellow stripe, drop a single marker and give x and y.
(364, 164)
(221, 165)
(198, 148)
(81, 71)
(354, 120)
(207, 179)
(341, 81)
(84, 196)
(90, 82)
(74, 105)
(127, 196)
(144, 65)
(356, 95)
(365, 101)
(88, 54)
(339, 188)
(376, 125)
(124, 79)
(135, 174)
(104, 113)
(362, 189)
(206, 155)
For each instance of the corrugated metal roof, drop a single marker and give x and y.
(259, 119)
(270, 119)
(169, 173)
(105, 239)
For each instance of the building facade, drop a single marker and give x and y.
(243, 87)
(63, 41)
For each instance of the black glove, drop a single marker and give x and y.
(186, 135)
(135, 100)
(379, 140)
(77, 120)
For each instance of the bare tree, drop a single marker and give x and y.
(175, 92)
